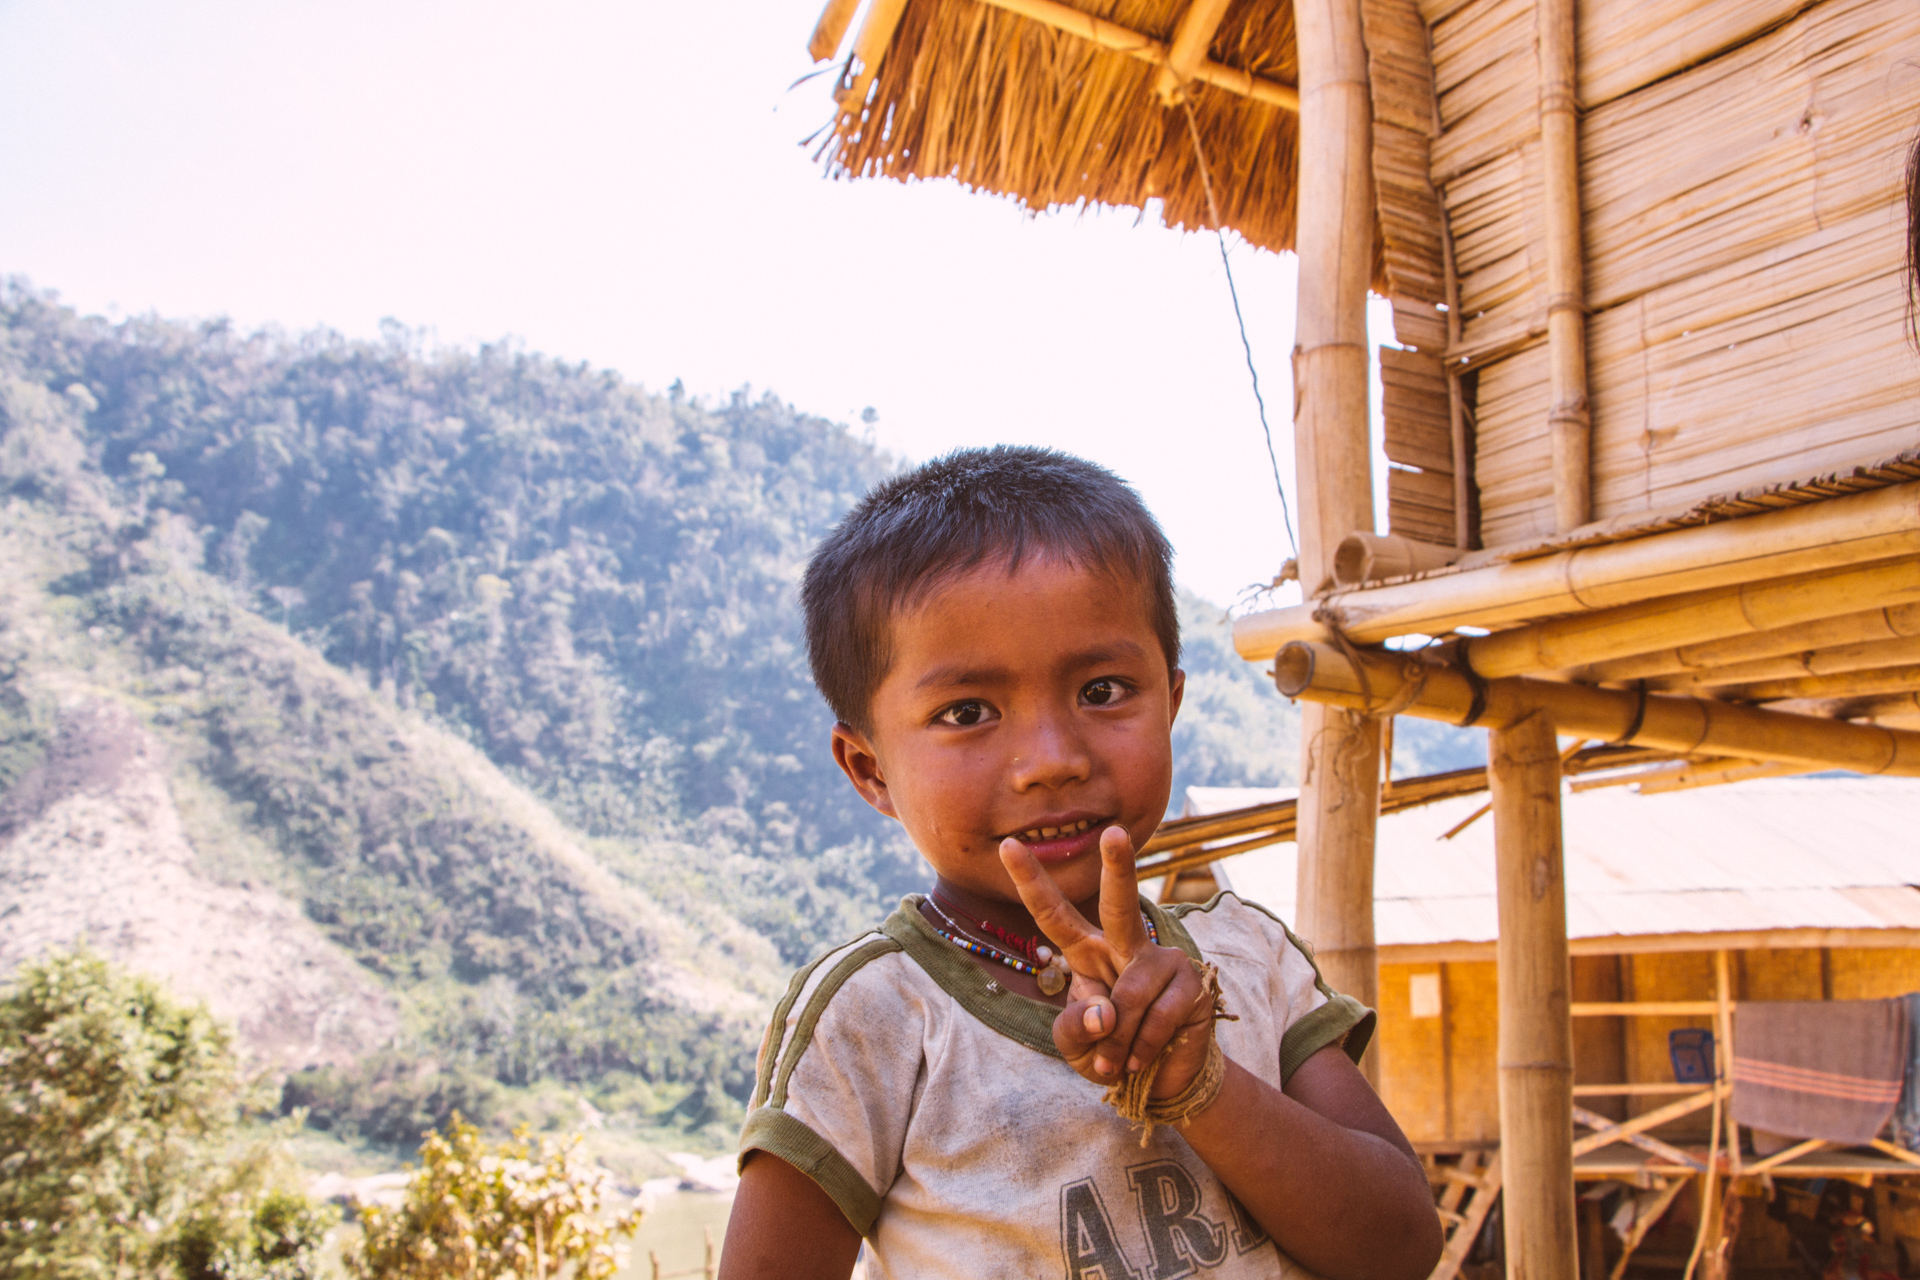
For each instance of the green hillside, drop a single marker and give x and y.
(490, 663)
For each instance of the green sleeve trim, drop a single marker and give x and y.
(770, 1043)
(773, 1131)
(1341, 1020)
(816, 1005)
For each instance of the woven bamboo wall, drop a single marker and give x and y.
(1741, 173)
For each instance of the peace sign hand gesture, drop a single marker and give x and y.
(1129, 998)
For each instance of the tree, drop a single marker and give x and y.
(115, 1103)
(473, 1212)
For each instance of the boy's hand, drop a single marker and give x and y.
(1129, 998)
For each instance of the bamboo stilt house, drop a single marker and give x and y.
(1652, 429)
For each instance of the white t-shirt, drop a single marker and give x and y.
(930, 1103)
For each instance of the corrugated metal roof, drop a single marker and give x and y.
(1767, 855)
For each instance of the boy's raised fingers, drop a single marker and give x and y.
(1120, 894)
(1058, 919)
(1081, 1026)
(1135, 993)
(1172, 1008)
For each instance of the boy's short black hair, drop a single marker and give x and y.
(968, 508)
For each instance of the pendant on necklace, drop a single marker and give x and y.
(1052, 973)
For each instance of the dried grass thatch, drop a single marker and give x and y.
(1004, 104)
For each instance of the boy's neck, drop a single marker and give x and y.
(1012, 916)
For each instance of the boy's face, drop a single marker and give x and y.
(1035, 704)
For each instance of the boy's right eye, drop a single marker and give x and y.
(964, 715)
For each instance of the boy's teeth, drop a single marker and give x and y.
(1048, 833)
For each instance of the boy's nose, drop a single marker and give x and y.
(1051, 754)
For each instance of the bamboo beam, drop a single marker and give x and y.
(831, 29)
(1779, 1158)
(1340, 768)
(1845, 684)
(1838, 534)
(1808, 662)
(1714, 614)
(1881, 707)
(1111, 35)
(869, 47)
(1650, 944)
(1568, 420)
(1690, 778)
(1188, 50)
(1643, 1009)
(1534, 982)
(1894, 622)
(1613, 1132)
(1686, 726)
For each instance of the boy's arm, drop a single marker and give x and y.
(784, 1225)
(1324, 1168)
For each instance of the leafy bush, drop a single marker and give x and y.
(521, 1210)
(118, 1110)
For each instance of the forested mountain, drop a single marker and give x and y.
(590, 584)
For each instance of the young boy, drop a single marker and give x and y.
(996, 632)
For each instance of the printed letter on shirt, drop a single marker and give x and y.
(1170, 1212)
(1086, 1236)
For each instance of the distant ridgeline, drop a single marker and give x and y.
(591, 585)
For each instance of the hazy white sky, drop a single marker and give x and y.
(622, 183)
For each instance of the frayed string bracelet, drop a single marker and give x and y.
(1132, 1097)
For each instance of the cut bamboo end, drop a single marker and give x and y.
(1370, 557)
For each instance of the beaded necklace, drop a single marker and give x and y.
(1048, 967)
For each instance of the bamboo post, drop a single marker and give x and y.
(709, 1269)
(1536, 1027)
(1723, 1052)
(1340, 768)
(1568, 420)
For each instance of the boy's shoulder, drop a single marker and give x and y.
(1230, 924)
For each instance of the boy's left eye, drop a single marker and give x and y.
(1103, 693)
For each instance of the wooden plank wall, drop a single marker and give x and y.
(1439, 1077)
(1741, 181)
(1419, 439)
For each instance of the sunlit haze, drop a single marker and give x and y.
(625, 184)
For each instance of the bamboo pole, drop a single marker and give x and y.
(869, 47)
(1111, 35)
(1369, 557)
(1715, 614)
(831, 29)
(1692, 777)
(1894, 622)
(1340, 768)
(1804, 662)
(1723, 1049)
(1371, 681)
(1568, 419)
(1188, 49)
(1840, 533)
(1456, 395)
(1845, 684)
(1536, 1033)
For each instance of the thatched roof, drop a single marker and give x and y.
(1009, 105)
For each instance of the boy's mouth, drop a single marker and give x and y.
(1061, 841)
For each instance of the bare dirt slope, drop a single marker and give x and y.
(92, 849)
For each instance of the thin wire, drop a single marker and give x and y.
(1213, 211)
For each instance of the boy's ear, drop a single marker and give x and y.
(854, 753)
(1176, 692)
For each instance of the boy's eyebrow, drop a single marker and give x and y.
(956, 676)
